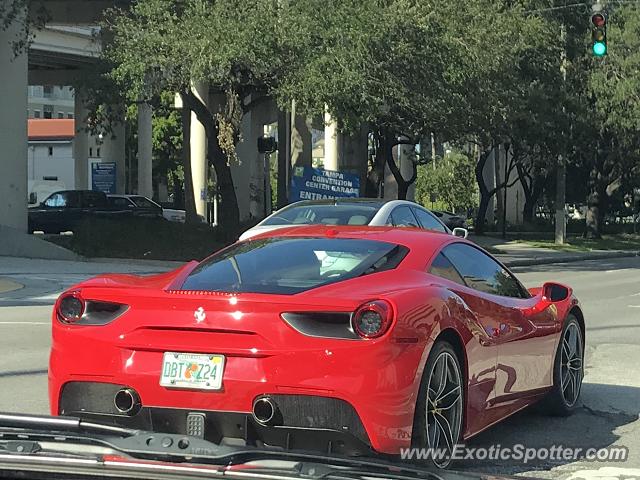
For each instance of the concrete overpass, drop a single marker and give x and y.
(59, 55)
(61, 52)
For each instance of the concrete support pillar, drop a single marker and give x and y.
(80, 145)
(145, 150)
(13, 133)
(284, 157)
(114, 150)
(199, 153)
(330, 142)
(353, 154)
(406, 159)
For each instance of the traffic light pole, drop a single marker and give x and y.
(561, 175)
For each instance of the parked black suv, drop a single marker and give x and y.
(64, 210)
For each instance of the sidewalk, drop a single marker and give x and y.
(28, 282)
(20, 265)
(514, 254)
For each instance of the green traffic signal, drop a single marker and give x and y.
(599, 49)
(599, 34)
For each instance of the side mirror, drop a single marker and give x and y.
(460, 232)
(549, 294)
(554, 292)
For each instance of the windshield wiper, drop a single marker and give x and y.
(34, 434)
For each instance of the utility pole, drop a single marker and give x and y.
(561, 175)
(507, 146)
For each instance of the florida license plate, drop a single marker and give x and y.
(190, 370)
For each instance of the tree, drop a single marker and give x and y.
(173, 44)
(611, 151)
(385, 64)
(167, 135)
(449, 181)
(516, 94)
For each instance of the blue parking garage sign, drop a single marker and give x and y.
(103, 177)
(308, 183)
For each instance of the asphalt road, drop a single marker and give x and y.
(609, 415)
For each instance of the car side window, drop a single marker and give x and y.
(143, 202)
(55, 200)
(481, 272)
(428, 221)
(92, 200)
(120, 202)
(403, 217)
(443, 268)
(72, 199)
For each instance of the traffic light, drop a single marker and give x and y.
(599, 34)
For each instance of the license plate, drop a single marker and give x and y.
(190, 370)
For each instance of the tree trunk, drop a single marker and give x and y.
(482, 214)
(229, 213)
(532, 193)
(189, 199)
(595, 198)
(375, 176)
(402, 183)
(484, 193)
(528, 210)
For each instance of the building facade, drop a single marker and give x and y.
(50, 102)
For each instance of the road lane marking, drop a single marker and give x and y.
(25, 323)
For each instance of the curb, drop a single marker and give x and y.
(566, 258)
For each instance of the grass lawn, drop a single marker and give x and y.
(579, 244)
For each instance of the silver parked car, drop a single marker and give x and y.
(352, 211)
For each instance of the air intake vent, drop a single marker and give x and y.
(322, 324)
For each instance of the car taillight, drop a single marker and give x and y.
(72, 309)
(373, 319)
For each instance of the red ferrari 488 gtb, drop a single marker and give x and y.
(347, 339)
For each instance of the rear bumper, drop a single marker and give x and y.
(303, 422)
(378, 381)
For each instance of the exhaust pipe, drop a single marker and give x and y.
(127, 401)
(264, 410)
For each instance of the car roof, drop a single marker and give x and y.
(374, 202)
(409, 237)
(78, 191)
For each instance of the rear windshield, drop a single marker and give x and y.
(323, 214)
(291, 265)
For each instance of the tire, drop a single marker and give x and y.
(439, 429)
(568, 371)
